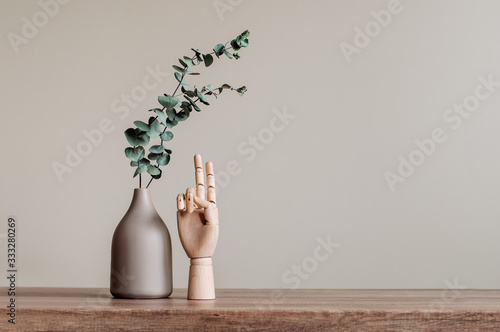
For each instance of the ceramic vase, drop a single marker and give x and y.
(141, 252)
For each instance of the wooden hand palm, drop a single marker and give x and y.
(197, 216)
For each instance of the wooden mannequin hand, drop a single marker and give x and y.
(197, 216)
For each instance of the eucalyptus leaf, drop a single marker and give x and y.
(182, 63)
(164, 159)
(168, 101)
(209, 59)
(196, 108)
(179, 69)
(140, 169)
(192, 103)
(154, 129)
(186, 106)
(153, 170)
(190, 93)
(202, 98)
(219, 49)
(156, 177)
(181, 116)
(144, 161)
(167, 136)
(135, 153)
(141, 125)
(241, 90)
(171, 123)
(134, 138)
(243, 42)
(178, 76)
(143, 139)
(156, 149)
(153, 156)
(188, 61)
(228, 54)
(161, 116)
(199, 55)
(171, 113)
(235, 45)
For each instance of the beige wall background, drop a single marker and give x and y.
(357, 102)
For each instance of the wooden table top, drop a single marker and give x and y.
(91, 309)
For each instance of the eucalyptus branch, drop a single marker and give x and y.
(174, 110)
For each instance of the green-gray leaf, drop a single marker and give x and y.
(140, 169)
(202, 98)
(131, 136)
(241, 90)
(190, 93)
(209, 59)
(199, 55)
(228, 54)
(154, 129)
(171, 113)
(182, 63)
(178, 76)
(141, 125)
(156, 177)
(135, 153)
(181, 116)
(168, 101)
(171, 123)
(243, 42)
(153, 156)
(179, 69)
(153, 170)
(219, 49)
(235, 45)
(143, 139)
(161, 116)
(143, 161)
(164, 159)
(156, 149)
(186, 106)
(167, 136)
(192, 103)
(135, 138)
(189, 62)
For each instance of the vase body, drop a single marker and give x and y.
(141, 252)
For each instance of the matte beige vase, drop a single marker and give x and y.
(141, 252)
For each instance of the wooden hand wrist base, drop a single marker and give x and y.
(201, 279)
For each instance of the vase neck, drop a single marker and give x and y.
(142, 197)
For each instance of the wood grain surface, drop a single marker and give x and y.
(90, 309)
